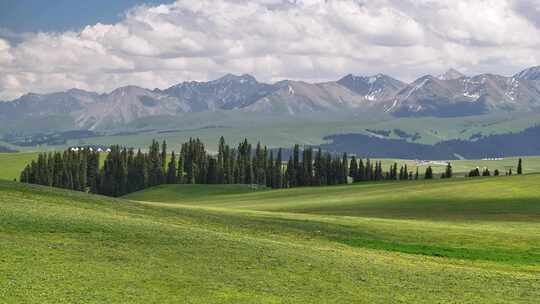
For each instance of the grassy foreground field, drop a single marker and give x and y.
(458, 241)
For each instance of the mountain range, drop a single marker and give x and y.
(451, 94)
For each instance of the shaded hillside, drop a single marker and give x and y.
(4, 149)
(375, 147)
(501, 145)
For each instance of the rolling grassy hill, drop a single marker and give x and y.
(512, 198)
(452, 241)
(11, 164)
(285, 131)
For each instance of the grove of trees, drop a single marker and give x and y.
(126, 170)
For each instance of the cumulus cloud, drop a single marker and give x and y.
(314, 40)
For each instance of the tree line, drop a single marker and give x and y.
(126, 170)
(486, 172)
(69, 169)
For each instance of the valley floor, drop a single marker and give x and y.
(456, 241)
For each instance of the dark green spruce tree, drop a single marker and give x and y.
(429, 173)
(172, 171)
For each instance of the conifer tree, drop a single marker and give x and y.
(180, 170)
(163, 155)
(278, 170)
(270, 172)
(25, 175)
(361, 170)
(344, 169)
(378, 174)
(448, 172)
(211, 172)
(113, 176)
(257, 164)
(155, 164)
(307, 165)
(519, 167)
(394, 172)
(221, 161)
(290, 173)
(172, 171)
(58, 168)
(50, 169)
(474, 172)
(318, 168)
(353, 170)
(83, 171)
(368, 170)
(429, 173)
(296, 166)
(93, 171)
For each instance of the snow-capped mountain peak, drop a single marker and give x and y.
(451, 74)
(450, 94)
(532, 73)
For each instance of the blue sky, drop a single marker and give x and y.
(61, 15)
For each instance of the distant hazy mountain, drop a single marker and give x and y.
(449, 94)
(126, 104)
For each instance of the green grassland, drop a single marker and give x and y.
(11, 164)
(462, 167)
(440, 241)
(285, 131)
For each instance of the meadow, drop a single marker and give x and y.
(439, 241)
(11, 164)
(311, 130)
(462, 167)
(282, 131)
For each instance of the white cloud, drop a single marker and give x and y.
(274, 39)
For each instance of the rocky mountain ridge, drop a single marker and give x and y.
(447, 95)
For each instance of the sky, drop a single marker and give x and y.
(98, 45)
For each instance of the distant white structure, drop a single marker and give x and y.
(76, 149)
(431, 163)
